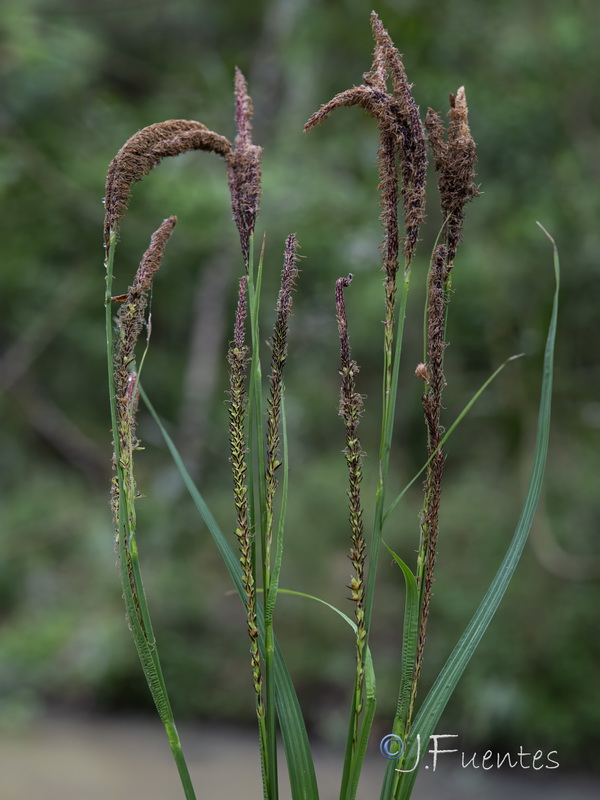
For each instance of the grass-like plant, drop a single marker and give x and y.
(257, 429)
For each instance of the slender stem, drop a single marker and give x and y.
(131, 579)
(389, 410)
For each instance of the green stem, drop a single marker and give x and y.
(131, 579)
(387, 429)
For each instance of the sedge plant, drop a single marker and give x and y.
(259, 456)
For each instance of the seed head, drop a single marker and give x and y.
(243, 168)
(455, 157)
(144, 151)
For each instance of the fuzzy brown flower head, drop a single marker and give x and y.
(414, 152)
(144, 151)
(152, 258)
(462, 151)
(244, 168)
(401, 139)
(422, 372)
(243, 110)
(131, 314)
(130, 322)
(289, 273)
(455, 158)
(350, 400)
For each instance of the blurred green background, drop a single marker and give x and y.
(78, 78)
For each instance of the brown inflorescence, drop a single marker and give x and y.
(455, 158)
(243, 168)
(144, 151)
(238, 361)
(289, 274)
(401, 141)
(130, 322)
(132, 318)
(436, 308)
(413, 152)
(350, 411)
(433, 374)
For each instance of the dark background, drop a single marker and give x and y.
(78, 78)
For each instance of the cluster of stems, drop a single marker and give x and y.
(255, 443)
(138, 156)
(402, 164)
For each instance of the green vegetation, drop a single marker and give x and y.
(77, 84)
(257, 422)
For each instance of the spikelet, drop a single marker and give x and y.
(413, 151)
(130, 322)
(455, 157)
(289, 274)
(238, 361)
(243, 168)
(350, 411)
(132, 317)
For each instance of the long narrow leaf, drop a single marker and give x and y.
(410, 634)
(409, 637)
(369, 672)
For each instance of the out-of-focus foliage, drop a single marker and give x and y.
(78, 79)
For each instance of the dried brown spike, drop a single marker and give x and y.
(152, 258)
(455, 160)
(243, 167)
(279, 349)
(436, 136)
(144, 151)
(388, 190)
(243, 110)
(377, 76)
(130, 318)
(459, 133)
(432, 406)
(387, 53)
(393, 132)
(130, 322)
(413, 151)
(372, 100)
